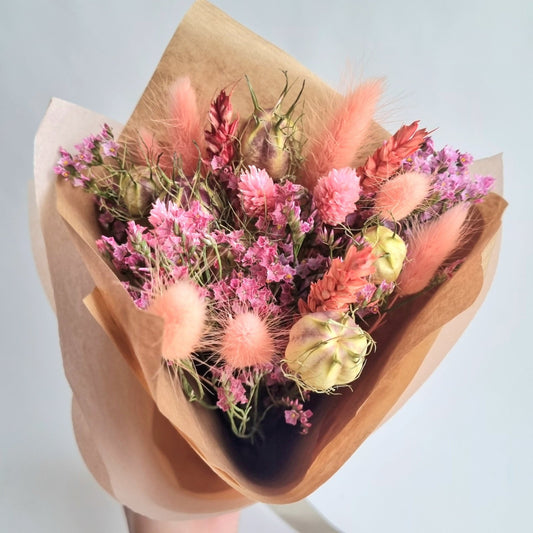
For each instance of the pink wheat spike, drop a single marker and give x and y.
(343, 135)
(386, 160)
(185, 133)
(429, 246)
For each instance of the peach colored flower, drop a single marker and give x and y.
(386, 160)
(341, 283)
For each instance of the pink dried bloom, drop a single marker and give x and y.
(342, 283)
(335, 195)
(257, 191)
(387, 159)
(296, 415)
(221, 136)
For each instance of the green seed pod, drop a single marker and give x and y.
(266, 143)
(137, 192)
(269, 139)
(390, 251)
(326, 349)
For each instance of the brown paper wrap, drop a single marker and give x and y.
(142, 440)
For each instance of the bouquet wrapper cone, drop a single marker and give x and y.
(142, 440)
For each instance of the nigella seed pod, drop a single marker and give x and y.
(389, 250)
(269, 138)
(325, 350)
(266, 144)
(137, 192)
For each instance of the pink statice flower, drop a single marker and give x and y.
(89, 154)
(238, 292)
(336, 194)
(296, 415)
(267, 263)
(256, 191)
(233, 239)
(176, 229)
(110, 148)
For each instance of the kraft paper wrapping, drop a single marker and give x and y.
(142, 440)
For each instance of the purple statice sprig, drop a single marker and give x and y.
(296, 415)
(451, 179)
(124, 185)
(91, 152)
(246, 396)
(238, 397)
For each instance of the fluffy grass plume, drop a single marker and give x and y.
(183, 310)
(400, 196)
(184, 130)
(428, 246)
(344, 132)
(246, 341)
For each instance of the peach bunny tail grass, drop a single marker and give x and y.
(429, 246)
(345, 131)
(183, 310)
(185, 132)
(246, 341)
(400, 196)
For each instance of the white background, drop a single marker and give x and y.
(458, 457)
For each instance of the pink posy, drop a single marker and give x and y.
(257, 191)
(335, 195)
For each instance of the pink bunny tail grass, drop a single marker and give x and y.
(343, 135)
(246, 341)
(184, 130)
(429, 246)
(399, 197)
(183, 310)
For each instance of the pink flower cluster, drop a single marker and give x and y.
(90, 153)
(259, 248)
(296, 415)
(275, 205)
(336, 194)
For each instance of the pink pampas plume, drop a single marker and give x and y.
(399, 197)
(183, 310)
(185, 133)
(428, 247)
(343, 135)
(246, 341)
